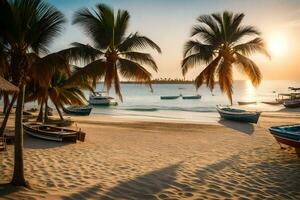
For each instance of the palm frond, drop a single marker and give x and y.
(142, 58)
(81, 52)
(193, 60)
(208, 74)
(252, 46)
(249, 68)
(195, 46)
(243, 31)
(121, 26)
(136, 41)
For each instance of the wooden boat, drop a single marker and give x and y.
(295, 103)
(192, 97)
(287, 134)
(246, 102)
(169, 97)
(52, 133)
(272, 102)
(78, 110)
(238, 114)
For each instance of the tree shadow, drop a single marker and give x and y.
(273, 175)
(238, 126)
(297, 110)
(145, 186)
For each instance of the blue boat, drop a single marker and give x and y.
(78, 110)
(238, 114)
(192, 97)
(287, 134)
(169, 97)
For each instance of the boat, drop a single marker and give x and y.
(102, 99)
(246, 102)
(192, 97)
(287, 134)
(272, 102)
(169, 97)
(52, 133)
(238, 114)
(295, 103)
(77, 110)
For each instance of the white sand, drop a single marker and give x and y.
(129, 159)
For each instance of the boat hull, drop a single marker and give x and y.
(246, 103)
(292, 104)
(82, 111)
(287, 134)
(241, 116)
(50, 133)
(191, 97)
(272, 102)
(169, 97)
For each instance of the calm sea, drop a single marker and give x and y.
(140, 102)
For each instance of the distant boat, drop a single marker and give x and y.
(246, 102)
(78, 110)
(102, 99)
(272, 102)
(169, 97)
(287, 134)
(52, 133)
(192, 97)
(238, 114)
(295, 103)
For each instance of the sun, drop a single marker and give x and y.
(277, 45)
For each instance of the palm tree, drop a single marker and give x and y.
(112, 52)
(218, 42)
(26, 25)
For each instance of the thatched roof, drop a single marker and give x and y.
(6, 86)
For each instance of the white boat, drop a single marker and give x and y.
(102, 99)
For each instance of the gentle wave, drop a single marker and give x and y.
(154, 109)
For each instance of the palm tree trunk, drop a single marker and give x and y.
(18, 175)
(40, 116)
(46, 109)
(59, 112)
(7, 113)
(5, 103)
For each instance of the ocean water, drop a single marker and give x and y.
(140, 102)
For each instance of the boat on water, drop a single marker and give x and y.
(238, 114)
(169, 97)
(192, 97)
(52, 133)
(77, 110)
(102, 99)
(272, 102)
(287, 134)
(295, 103)
(246, 102)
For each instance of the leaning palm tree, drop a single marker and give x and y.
(26, 25)
(218, 42)
(112, 52)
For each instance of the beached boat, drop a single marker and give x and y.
(238, 114)
(246, 102)
(287, 134)
(78, 110)
(51, 133)
(169, 97)
(295, 103)
(192, 97)
(102, 99)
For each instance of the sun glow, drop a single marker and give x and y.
(277, 45)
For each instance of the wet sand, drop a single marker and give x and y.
(138, 159)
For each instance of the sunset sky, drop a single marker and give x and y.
(169, 23)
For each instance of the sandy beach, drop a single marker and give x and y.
(132, 159)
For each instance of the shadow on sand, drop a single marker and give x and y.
(145, 186)
(238, 126)
(252, 176)
(35, 143)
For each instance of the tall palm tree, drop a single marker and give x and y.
(112, 52)
(26, 25)
(218, 41)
